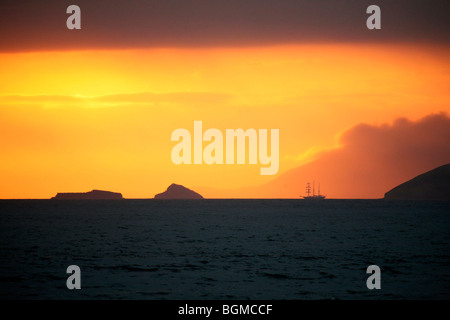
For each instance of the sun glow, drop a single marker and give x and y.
(78, 120)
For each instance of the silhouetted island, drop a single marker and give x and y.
(431, 185)
(176, 191)
(91, 195)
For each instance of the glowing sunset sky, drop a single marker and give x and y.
(96, 109)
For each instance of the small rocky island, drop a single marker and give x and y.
(176, 191)
(431, 185)
(91, 195)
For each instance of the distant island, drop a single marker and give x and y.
(176, 191)
(431, 185)
(91, 195)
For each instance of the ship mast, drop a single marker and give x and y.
(308, 189)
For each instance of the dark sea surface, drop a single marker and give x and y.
(224, 249)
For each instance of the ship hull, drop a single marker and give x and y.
(314, 198)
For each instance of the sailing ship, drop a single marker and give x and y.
(314, 196)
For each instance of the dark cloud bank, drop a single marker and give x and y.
(41, 24)
(373, 159)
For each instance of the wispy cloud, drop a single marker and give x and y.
(137, 99)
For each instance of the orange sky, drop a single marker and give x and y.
(79, 120)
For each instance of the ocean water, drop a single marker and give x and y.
(224, 249)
